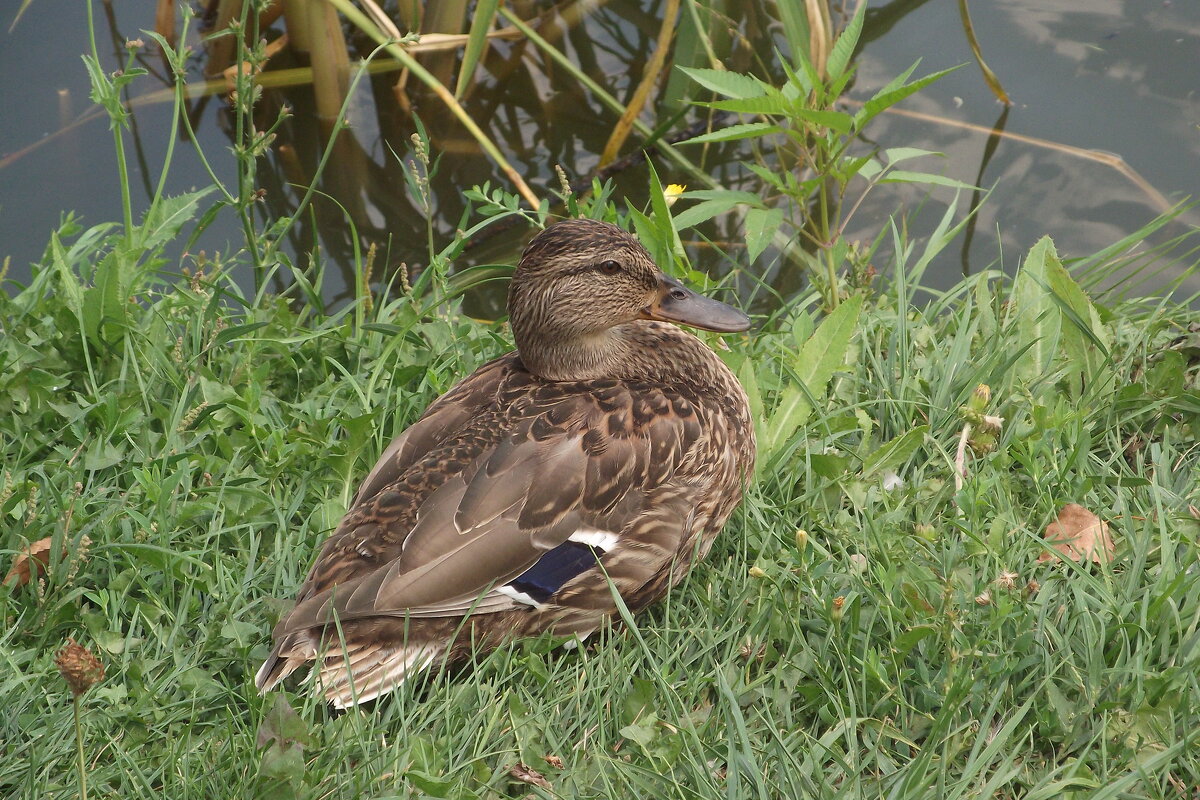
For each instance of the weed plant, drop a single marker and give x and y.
(862, 628)
(877, 620)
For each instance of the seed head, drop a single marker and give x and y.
(79, 668)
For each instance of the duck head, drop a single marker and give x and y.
(579, 284)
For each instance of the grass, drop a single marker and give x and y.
(185, 445)
(842, 640)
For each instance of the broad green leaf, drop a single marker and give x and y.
(730, 84)
(761, 225)
(721, 194)
(1037, 319)
(894, 453)
(815, 364)
(706, 211)
(828, 465)
(283, 725)
(240, 632)
(783, 181)
(102, 455)
(747, 373)
(1056, 322)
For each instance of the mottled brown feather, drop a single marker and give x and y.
(654, 446)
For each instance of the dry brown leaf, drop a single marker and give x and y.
(553, 761)
(30, 563)
(523, 773)
(1079, 535)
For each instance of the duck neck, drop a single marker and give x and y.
(604, 354)
(650, 351)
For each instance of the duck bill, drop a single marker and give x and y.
(677, 303)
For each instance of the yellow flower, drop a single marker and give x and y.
(672, 192)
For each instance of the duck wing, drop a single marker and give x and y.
(506, 509)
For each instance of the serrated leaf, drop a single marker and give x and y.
(894, 155)
(166, 218)
(843, 49)
(834, 120)
(68, 282)
(745, 130)
(776, 105)
(106, 302)
(906, 176)
(729, 84)
(761, 225)
(893, 93)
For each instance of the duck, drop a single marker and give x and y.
(603, 454)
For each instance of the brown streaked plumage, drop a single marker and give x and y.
(612, 445)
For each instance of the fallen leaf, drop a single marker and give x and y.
(524, 774)
(29, 563)
(553, 761)
(1079, 535)
(33, 560)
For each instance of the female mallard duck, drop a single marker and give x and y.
(611, 446)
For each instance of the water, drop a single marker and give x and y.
(1104, 75)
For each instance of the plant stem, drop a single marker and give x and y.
(79, 751)
(363, 22)
(123, 174)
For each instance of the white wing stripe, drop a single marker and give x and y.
(594, 537)
(519, 596)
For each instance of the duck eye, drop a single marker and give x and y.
(609, 267)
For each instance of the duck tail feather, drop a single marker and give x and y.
(372, 675)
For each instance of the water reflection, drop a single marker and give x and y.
(1102, 74)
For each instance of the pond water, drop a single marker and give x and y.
(1116, 76)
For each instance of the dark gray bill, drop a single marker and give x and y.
(677, 303)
